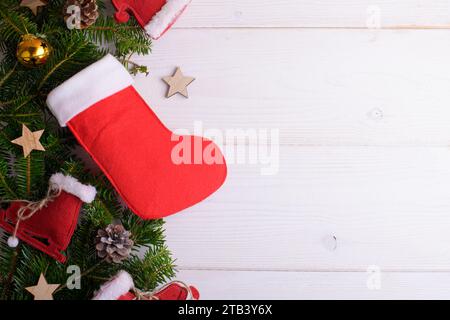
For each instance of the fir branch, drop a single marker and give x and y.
(22, 100)
(28, 174)
(4, 183)
(7, 75)
(18, 115)
(9, 279)
(13, 23)
(113, 28)
(56, 67)
(83, 274)
(10, 22)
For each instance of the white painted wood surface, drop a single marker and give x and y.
(319, 87)
(240, 285)
(315, 13)
(385, 206)
(364, 170)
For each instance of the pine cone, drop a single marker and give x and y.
(88, 11)
(114, 243)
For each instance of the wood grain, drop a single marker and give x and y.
(318, 87)
(364, 170)
(314, 14)
(240, 285)
(385, 206)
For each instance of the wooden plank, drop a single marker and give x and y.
(385, 206)
(318, 87)
(242, 285)
(314, 13)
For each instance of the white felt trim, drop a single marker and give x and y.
(94, 83)
(116, 287)
(165, 17)
(85, 193)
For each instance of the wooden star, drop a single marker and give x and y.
(43, 290)
(29, 141)
(178, 83)
(33, 5)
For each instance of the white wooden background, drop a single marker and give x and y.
(364, 120)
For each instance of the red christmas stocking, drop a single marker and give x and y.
(156, 172)
(155, 16)
(48, 225)
(121, 287)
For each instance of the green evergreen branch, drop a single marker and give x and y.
(83, 274)
(114, 29)
(9, 279)
(9, 21)
(27, 100)
(56, 67)
(22, 100)
(106, 210)
(28, 174)
(7, 187)
(16, 115)
(7, 75)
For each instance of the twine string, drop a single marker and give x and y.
(152, 295)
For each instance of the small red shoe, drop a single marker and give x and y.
(121, 287)
(50, 228)
(177, 291)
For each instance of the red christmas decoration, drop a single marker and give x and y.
(155, 16)
(48, 225)
(121, 287)
(157, 173)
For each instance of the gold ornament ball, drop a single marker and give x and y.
(33, 51)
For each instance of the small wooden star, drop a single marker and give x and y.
(43, 290)
(178, 83)
(33, 5)
(29, 141)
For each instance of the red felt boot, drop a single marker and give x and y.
(156, 172)
(48, 225)
(121, 287)
(155, 16)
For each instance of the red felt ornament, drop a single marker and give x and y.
(48, 225)
(121, 287)
(156, 172)
(155, 16)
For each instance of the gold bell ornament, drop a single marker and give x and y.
(33, 51)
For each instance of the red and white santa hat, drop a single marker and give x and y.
(155, 16)
(166, 17)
